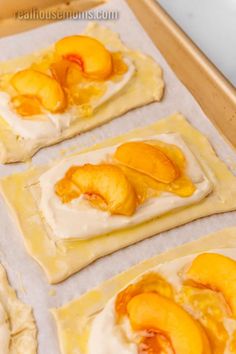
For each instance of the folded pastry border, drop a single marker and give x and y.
(138, 92)
(73, 320)
(22, 323)
(62, 258)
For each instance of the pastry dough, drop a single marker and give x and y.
(61, 258)
(18, 333)
(74, 319)
(146, 86)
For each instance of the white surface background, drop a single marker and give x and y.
(24, 273)
(212, 26)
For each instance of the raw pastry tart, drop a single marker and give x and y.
(81, 82)
(182, 301)
(115, 194)
(18, 333)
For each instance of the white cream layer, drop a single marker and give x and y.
(107, 337)
(51, 125)
(4, 332)
(79, 220)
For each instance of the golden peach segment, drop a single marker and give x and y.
(151, 311)
(46, 89)
(91, 55)
(109, 183)
(147, 187)
(66, 190)
(147, 159)
(26, 105)
(216, 272)
(232, 344)
(74, 75)
(182, 187)
(173, 152)
(66, 73)
(70, 172)
(210, 308)
(118, 64)
(59, 70)
(151, 282)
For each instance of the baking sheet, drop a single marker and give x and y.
(24, 273)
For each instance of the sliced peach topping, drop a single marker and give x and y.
(148, 187)
(66, 73)
(67, 190)
(26, 106)
(153, 312)
(80, 91)
(41, 86)
(232, 344)
(74, 75)
(216, 272)
(210, 308)
(147, 159)
(59, 70)
(69, 74)
(104, 185)
(118, 64)
(91, 55)
(151, 282)
(173, 152)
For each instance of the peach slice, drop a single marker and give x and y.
(59, 70)
(232, 344)
(47, 90)
(153, 312)
(211, 309)
(91, 55)
(26, 106)
(151, 282)
(66, 73)
(216, 272)
(118, 65)
(147, 159)
(110, 184)
(104, 185)
(66, 190)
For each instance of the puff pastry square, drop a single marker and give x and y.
(145, 86)
(62, 258)
(74, 319)
(18, 330)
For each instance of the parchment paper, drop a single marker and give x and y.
(24, 273)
